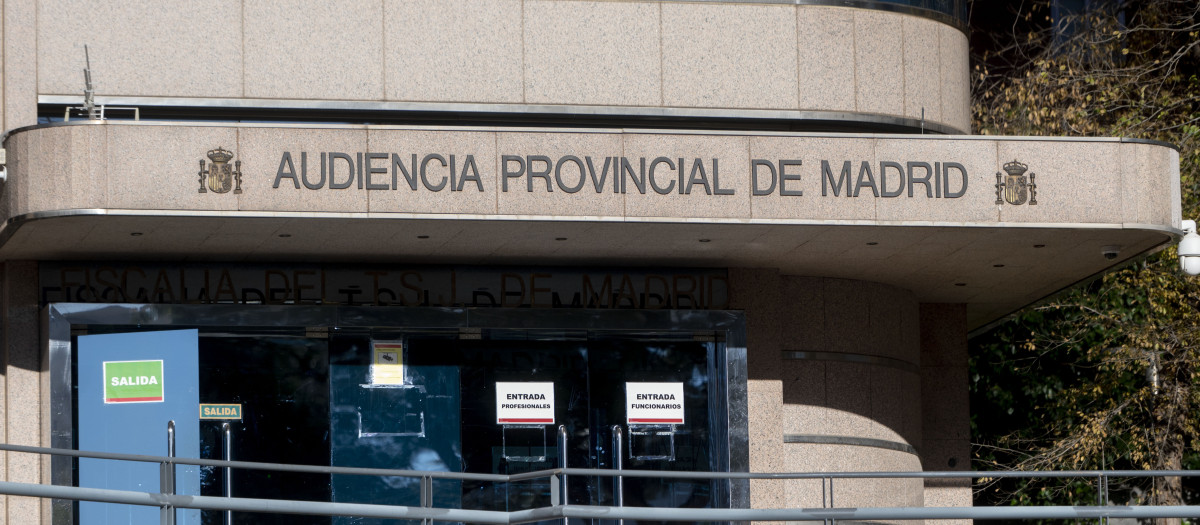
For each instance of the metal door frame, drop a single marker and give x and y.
(59, 319)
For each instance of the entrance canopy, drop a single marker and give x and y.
(996, 223)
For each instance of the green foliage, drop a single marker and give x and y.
(1106, 375)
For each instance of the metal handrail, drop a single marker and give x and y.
(661, 474)
(589, 511)
(563, 510)
(279, 467)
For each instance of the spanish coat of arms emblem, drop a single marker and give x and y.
(1015, 188)
(220, 177)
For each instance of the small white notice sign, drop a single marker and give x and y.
(653, 403)
(524, 403)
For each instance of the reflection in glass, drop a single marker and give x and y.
(282, 384)
(309, 400)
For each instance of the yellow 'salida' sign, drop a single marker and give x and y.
(220, 411)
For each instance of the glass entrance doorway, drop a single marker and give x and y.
(450, 415)
(314, 394)
(589, 381)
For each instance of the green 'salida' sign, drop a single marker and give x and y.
(133, 381)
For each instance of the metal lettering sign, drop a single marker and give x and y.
(333, 284)
(801, 174)
(580, 172)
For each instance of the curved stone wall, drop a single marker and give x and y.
(626, 57)
(835, 386)
(884, 179)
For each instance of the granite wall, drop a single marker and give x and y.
(850, 375)
(622, 54)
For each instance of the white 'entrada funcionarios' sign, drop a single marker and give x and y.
(653, 403)
(525, 403)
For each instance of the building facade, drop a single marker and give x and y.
(736, 235)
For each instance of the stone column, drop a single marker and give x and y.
(834, 373)
(758, 293)
(23, 387)
(945, 413)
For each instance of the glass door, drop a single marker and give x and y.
(357, 395)
(499, 440)
(660, 395)
(281, 386)
(593, 384)
(325, 401)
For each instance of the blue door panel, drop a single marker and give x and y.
(138, 428)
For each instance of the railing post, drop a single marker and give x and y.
(826, 521)
(1102, 495)
(166, 477)
(562, 457)
(618, 465)
(227, 433)
(427, 496)
(1106, 480)
(831, 505)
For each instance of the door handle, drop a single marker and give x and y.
(618, 465)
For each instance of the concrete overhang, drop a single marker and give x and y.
(131, 191)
